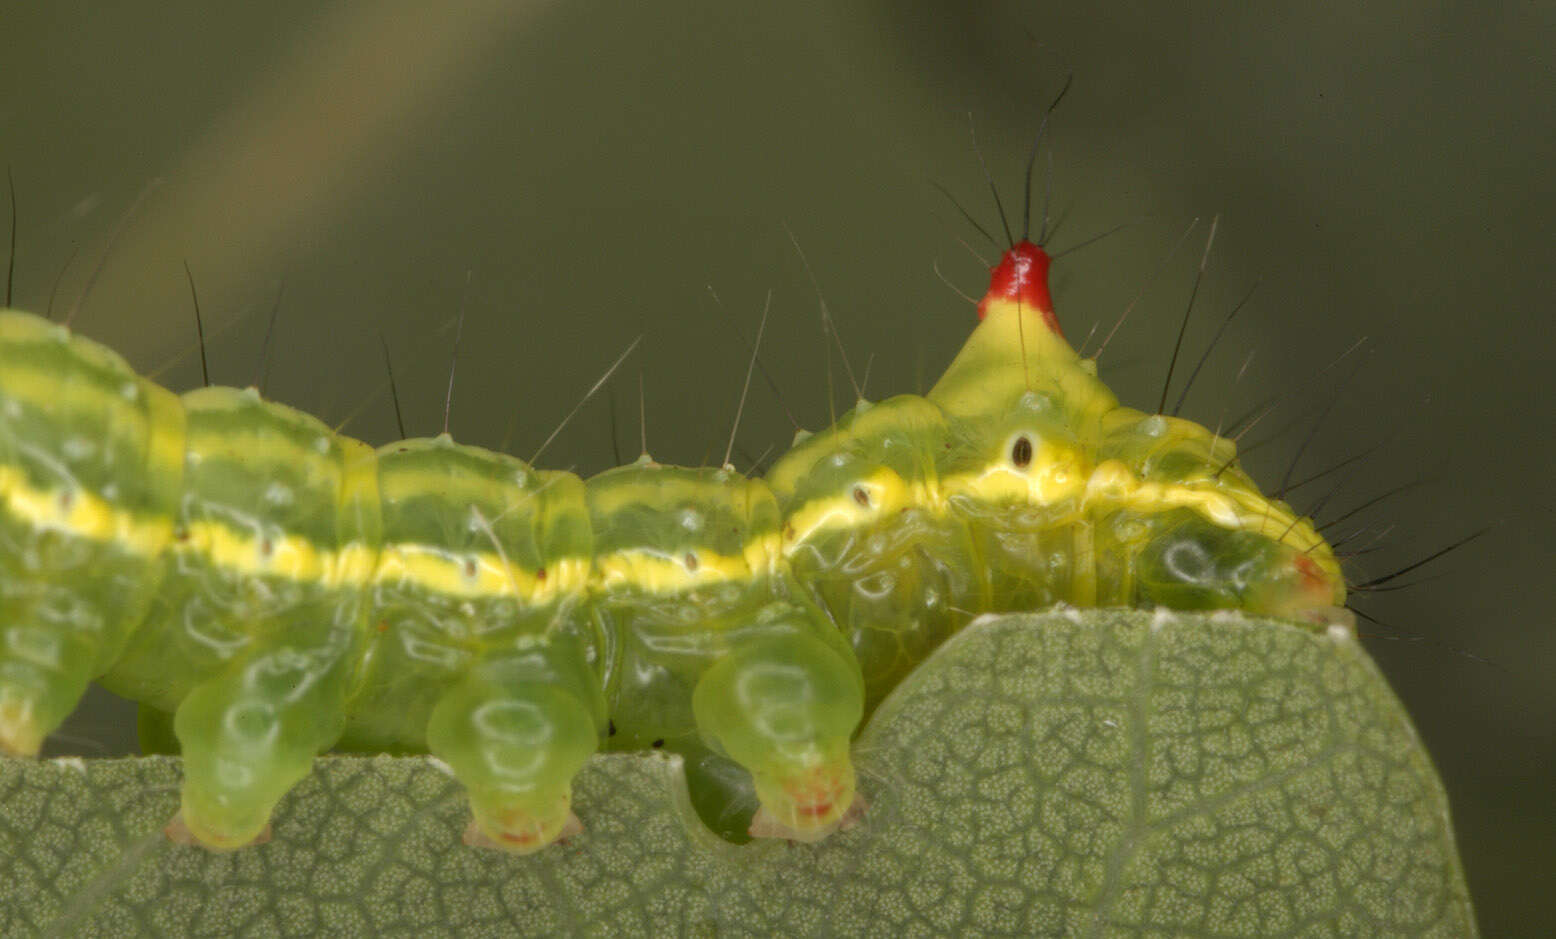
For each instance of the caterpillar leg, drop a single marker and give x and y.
(67, 608)
(47, 656)
(516, 746)
(784, 707)
(249, 735)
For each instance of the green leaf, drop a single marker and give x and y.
(1099, 774)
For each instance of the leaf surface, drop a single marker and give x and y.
(1107, 773)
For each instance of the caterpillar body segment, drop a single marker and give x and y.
(717, 647)
(480, 648)
(868, 532)
(91, 472)
(281, 590)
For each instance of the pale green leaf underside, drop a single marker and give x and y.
(1102, 774)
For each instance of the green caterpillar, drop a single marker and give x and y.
(268, 589)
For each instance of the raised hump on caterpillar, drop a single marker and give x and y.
(269, 589)
(1021, 277)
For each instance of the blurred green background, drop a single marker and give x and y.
(1380, 169)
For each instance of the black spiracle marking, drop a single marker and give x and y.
(1021, 453)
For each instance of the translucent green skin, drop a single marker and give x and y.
(280, 590)
(901, 584)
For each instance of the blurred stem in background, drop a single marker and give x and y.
(290, 160)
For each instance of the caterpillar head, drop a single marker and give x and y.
(1036, 441)
(1190, 563)
(1202, 535)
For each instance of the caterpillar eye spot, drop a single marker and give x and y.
(67, 500)
(691, 562)
(1021, 452)
(861, 496)
(267, 547)
(470, 568)
(657, 744)
(540, 574)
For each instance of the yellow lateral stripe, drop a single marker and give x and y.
(290, 556)
(82, 514)
(1232, 509)
(480, 574)
(885, 492)
(86, 515)
(654, 571)
(453, 573)
(1058, 474)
